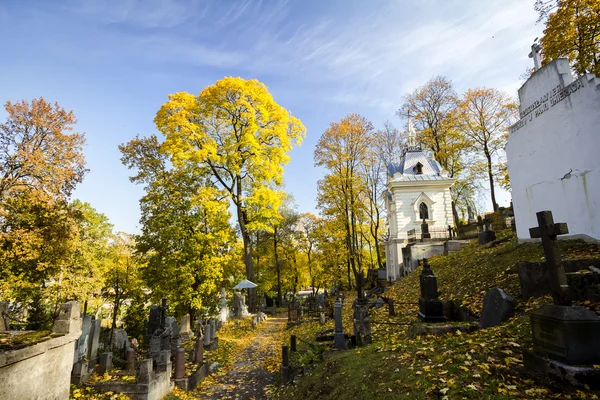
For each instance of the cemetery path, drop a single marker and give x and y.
(249, 377)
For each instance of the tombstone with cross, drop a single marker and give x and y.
(562, 334)
(486, 234)
(548, 231)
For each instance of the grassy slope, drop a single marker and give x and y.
(485, 364)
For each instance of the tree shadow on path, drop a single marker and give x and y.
(249, 377)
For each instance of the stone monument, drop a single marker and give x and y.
(552, 150)
(564, 336)
(431, 309)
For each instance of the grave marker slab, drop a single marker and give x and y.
(497, 307)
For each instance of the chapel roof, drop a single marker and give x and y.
(431, 170)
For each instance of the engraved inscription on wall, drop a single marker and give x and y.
(545, 102)
(550, 338)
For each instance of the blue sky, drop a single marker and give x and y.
(114, 62)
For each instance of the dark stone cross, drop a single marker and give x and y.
(360, 285)
(486, 222)
(548, 231)
(425, 230)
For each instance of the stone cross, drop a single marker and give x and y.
(535, 54)
(486, 222)
(548, 231)
(360, 285)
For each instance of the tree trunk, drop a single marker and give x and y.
(247, 259)
(115, 309)
(277, 267)
(455, 214)
(488, 156)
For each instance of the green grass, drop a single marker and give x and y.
(484, 364)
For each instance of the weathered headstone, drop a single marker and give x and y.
(486, 235)
(497, 307)
(172, 325)
(431, 309)
(145, 374)
(83, 342)
(185, 330)
(68, 319)
(207, 334)
(4, 322)
(239, 306)
(153, 320)
(561, 332)
(119, 339)
(94, 340)
(105, 364)
(362, 324)
(224, 313)
(339, 339)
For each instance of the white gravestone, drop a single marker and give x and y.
(553, 150)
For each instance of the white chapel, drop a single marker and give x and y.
(417, 188)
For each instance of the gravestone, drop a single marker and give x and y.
(239, 306)
(562, 334)
(486, 234)
(94, 340)
(362, 324)
(153, 320)
(497, 307)
(339, 339)
(425, 231)
(185, 330)
(145, 373)
(83, 342)
(119, 339)
(105, 364)
(552, 151)
(431, 309)
(4, 322)
(224, 313)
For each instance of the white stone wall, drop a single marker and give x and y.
(553, 152)
(407, 216)
(403, 216)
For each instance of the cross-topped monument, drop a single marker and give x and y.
(535, 54)
(410, 131)
(547, 230)
(536, 50)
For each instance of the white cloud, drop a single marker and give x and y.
(358, 53)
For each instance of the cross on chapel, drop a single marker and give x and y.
(548, 231)
(535, 54)
(410, 130)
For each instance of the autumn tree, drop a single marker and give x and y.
(185, 227)
(41, 162)
(388, 144)
(39, 150)
(342, 150)
(432, 108)
(307, 241)
(484, 117)
(236, 130)
(89, 262)
(572, 31)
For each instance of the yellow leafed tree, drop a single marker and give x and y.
(573, 31)
(237, 130)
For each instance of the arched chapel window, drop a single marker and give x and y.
(423, 211)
